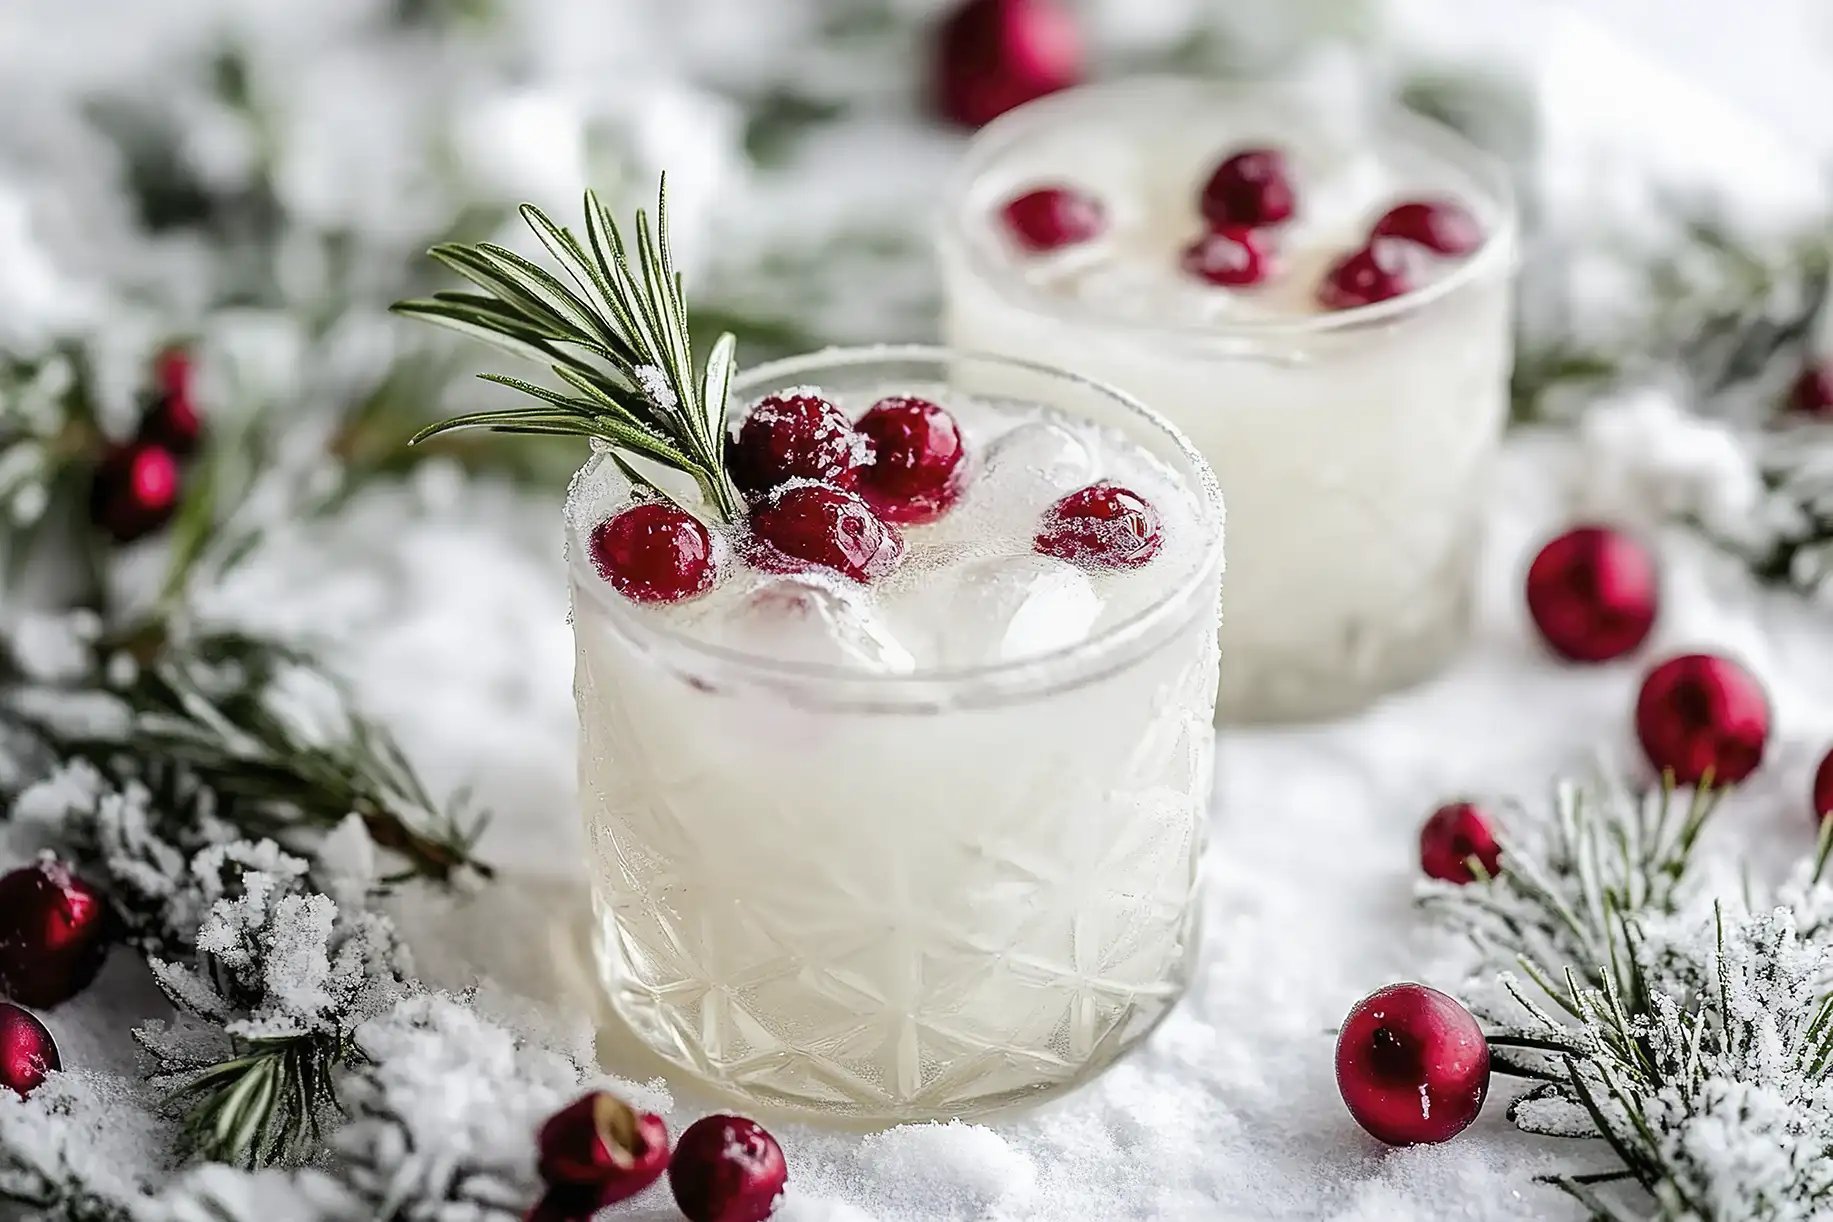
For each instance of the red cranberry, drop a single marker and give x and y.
(1823, 788)
(805, 524)
(1412, 1065)
(1250, 187)
(27, 1051)
(1701, 716)
(134, 491)
(917, 472)
(1101, 526)
(54, 934)
(1444, 227)
(727, 1169)
(599, 1148)
(1375, 272)
(1053, 217)
(1593, 593)
(171, 421)
(796, 435)
(1812, 393)
(653, 553)
(993, 55)
(1232, 255)
(1451, 838)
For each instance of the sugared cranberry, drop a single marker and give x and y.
(134, 491)
(171, 420)
(1233, 255)
(1701, 716)
(598, 1149)
(1053, 217)
(916, 473)
(1456, 834)
(727, 1169)
(1101, 526)
(653, 553)
(1375, 272)
(1412, 1065)
(1812, 393)
(1823, 788)
(814, 524)
(54, 934)
(1593, 593)
(27, 1051)
(1250, 187)
(796, 436)
(1442, 226)
(993, 55)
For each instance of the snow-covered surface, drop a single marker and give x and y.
(445, 603)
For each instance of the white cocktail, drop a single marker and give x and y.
(923, 842)
(1236, 259)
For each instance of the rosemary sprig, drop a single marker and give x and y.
(617, 338)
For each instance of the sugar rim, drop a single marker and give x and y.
(1083, 661)
(994, 141)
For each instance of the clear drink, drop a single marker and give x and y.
(925, 845)
(1353, 440)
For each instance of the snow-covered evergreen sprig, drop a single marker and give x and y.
(1692, 1033)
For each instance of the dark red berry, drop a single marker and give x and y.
(1823, 788)
(1053, 217)
(1700, 716)
(1233, 255)
(653, 553)
(598, 1149)
(1250, 187)
(814, 524)
(916, 472)
(993, 55)
(1375, 272)
(1444, 226)
(1101, 526)
(171, 420)
(1593, 593)
(796, 436)
(27, 1051)
(54, 934)
(1412, 1065)
(134, 491)
(727, 1169)
(1454, 836)
(1812, 393)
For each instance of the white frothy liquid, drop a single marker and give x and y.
(917, 848)
(1352, 447)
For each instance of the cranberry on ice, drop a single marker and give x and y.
(815, 524)
(1250, 187)
(798, 435)
(1701, 716)
(727, 1169)
(653, 553)
(993, 55)
(1443, 227)
(1593, 593)
(1101, 526)
(1375, 272)
(916, 472)
(1050, 218)
(1455, 835)
(1412, 1065)
(1812, 393)
(1233, 256)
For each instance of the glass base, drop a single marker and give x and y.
(875, 1070)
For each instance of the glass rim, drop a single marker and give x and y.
(1065, 666)
(998, 137)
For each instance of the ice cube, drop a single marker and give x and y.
(807, 618)
(1003, 608)
(1027, 469)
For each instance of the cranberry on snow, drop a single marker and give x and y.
(993, 55)
(598, 1150)
(134, 491)
(27, 1051)
(54, 934)
(727, 1169)
(1593, 593)
(1412, 1065)
(1455, 835)
(1699, 716)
